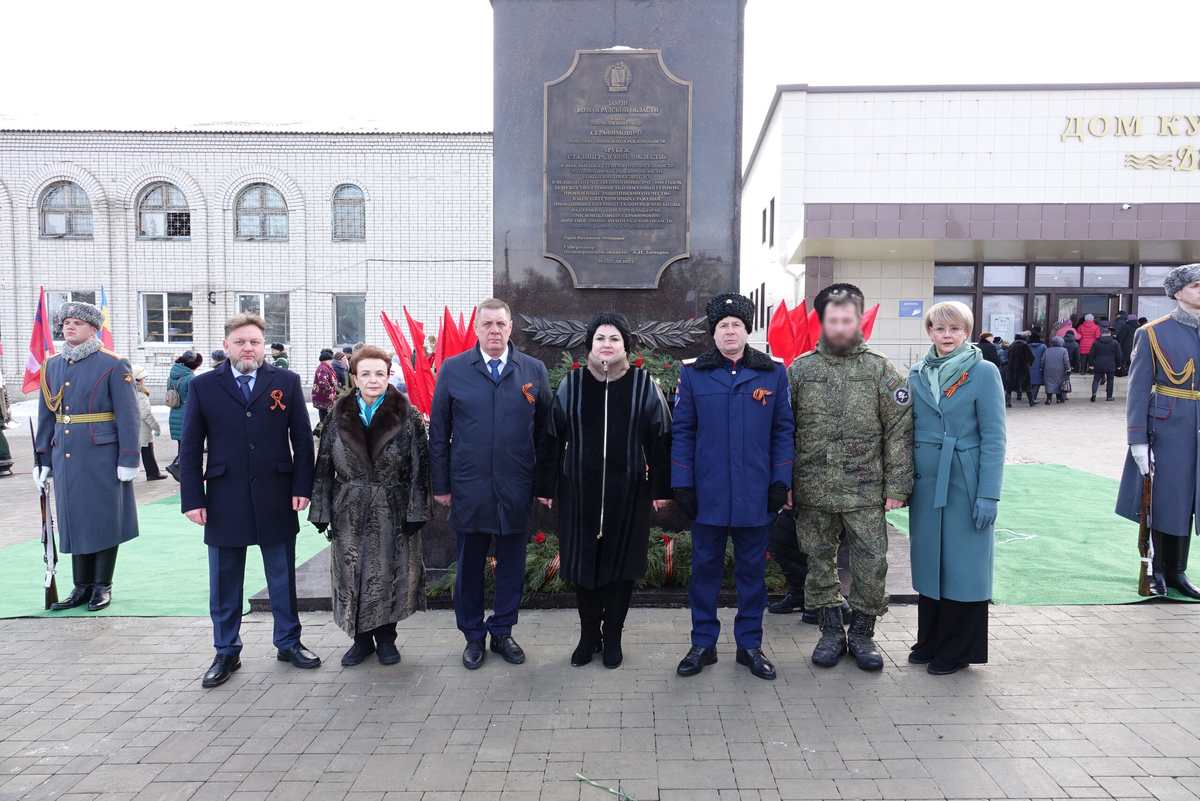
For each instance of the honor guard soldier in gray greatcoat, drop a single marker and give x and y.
(88, 432)
(1163, 418)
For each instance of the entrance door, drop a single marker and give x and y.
(1073, 307)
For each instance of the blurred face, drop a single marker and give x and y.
(371, 378)
(841, 327)
(948, 335)
(1188, 297)
(246, 348)
(731, 336)
(493, 328)
(76, 331)
(607, 344)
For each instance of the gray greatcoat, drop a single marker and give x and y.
(373, 486)
(1174, 424)
(95, 510)
(1056, 364)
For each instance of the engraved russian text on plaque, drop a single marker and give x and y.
(617, 156)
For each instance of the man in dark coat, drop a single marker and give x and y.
(731, 463)
(254, 485)
(1072, 346)
(989, 351)
(89, 430)
(489, 408)
(1020, 360)
(1163, 418)
(1106, 358)
(1124, 338)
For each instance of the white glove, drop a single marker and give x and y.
(40, 477)
(126, 473)
(1141, 456)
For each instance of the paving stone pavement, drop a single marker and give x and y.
(1077, 702)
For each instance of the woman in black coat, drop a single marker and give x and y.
(989, 351)
(607, 451)
(1020, 359)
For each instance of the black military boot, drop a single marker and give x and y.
(1158, 581)
(792, 602)
(590, 609)
(84, 574)
(832, 644)
(861, 641)
(1175, 562)
(80, 595)
(104, 566)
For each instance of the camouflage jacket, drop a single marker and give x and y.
(853, 430)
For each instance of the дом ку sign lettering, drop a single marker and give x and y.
(617, 157)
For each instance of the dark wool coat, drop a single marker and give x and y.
(1035, 369)
(1056, 364)
(989, 351)
(635, 471)
(1106, 355)
(252, 473)
(1172, 423)
(95, 510)
(179, 379)
(372, 486)
(1125, 340)
(1020, 362)
(1073, 352)
(481, 440)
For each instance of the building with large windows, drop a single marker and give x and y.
(316, 232)
(1027, 203)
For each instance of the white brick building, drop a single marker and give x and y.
(195, 226)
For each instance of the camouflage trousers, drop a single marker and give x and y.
(867, 543)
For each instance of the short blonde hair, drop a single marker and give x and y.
(950, 311)
(496, 304)
(245, 318)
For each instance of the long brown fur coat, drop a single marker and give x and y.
(373, 486)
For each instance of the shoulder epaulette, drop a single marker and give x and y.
(690, 361)
(778, 360)
(110, 353)
(806, 355)
(1156, 322)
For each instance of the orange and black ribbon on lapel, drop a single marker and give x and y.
(525, 391)
(761, 394)
(949, 391)
(277, 396)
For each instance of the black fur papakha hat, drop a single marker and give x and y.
(729, 304)
(841, 291)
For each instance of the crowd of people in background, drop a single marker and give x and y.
(1030, 364)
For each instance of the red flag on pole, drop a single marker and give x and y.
(469, 338)
(780, 336)
(105, 332)
(424, 370)
(868, 321)
(41, 344)
(406, 363)
(800, 330)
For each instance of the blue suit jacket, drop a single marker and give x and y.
(481, 439)
(728, 444)
(259, 455)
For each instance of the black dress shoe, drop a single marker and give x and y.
(940, 667)
(159, 477)
(357, 653)
(78, 597)
(221, 668)
(473, 654)
(173, 469)
(789, 603)
(916, 657)
(757, 661)
(389, 654)
(696, 660)
(101, 597)
(299, 656)
(507, 647)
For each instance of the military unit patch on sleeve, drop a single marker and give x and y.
(902, 396)
(892, 382)
(128, 378)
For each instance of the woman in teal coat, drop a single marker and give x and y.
(182, 373)
(958, 453)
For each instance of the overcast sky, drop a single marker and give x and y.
(424, 65)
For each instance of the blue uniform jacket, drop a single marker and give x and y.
(727, 443)
(481, 440)
(1174, 424)
(252, 473)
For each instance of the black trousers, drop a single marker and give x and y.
(384, 633)
(1108, 383)
(149, 462)
(952, 631)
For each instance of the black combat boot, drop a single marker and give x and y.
(862, 643)
(832, 644)
(590, 610)
(83, 571)
(1158, 581)
(1175, 562)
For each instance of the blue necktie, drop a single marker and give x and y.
(244, 380)
(495, 365)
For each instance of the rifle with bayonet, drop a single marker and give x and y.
(49, 549)
(1145, 524)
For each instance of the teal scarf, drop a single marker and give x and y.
(943, 372)
(365, 412)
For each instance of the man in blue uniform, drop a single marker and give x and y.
(88, 430)
(1163, 418)
(731, 464)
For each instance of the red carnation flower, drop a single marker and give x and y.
(574, 365)
(540, 538)
(768, 554)
(666, 538)
(637, 362)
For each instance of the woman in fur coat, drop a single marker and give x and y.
(607, 452)
(372, 493)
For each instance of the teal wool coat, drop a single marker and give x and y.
(958, 453)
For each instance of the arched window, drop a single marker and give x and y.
(261, 213)
(66, 212)
(349, 213)
(163, 213)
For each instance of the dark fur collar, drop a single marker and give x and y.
(753, 359)
(368, 443)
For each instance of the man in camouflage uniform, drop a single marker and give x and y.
(853, 462)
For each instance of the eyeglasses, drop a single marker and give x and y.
(954, 329)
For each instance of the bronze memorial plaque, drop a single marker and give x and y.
(617, 157)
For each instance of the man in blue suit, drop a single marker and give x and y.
(488, 408)
(248, 412)
(731, 464)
